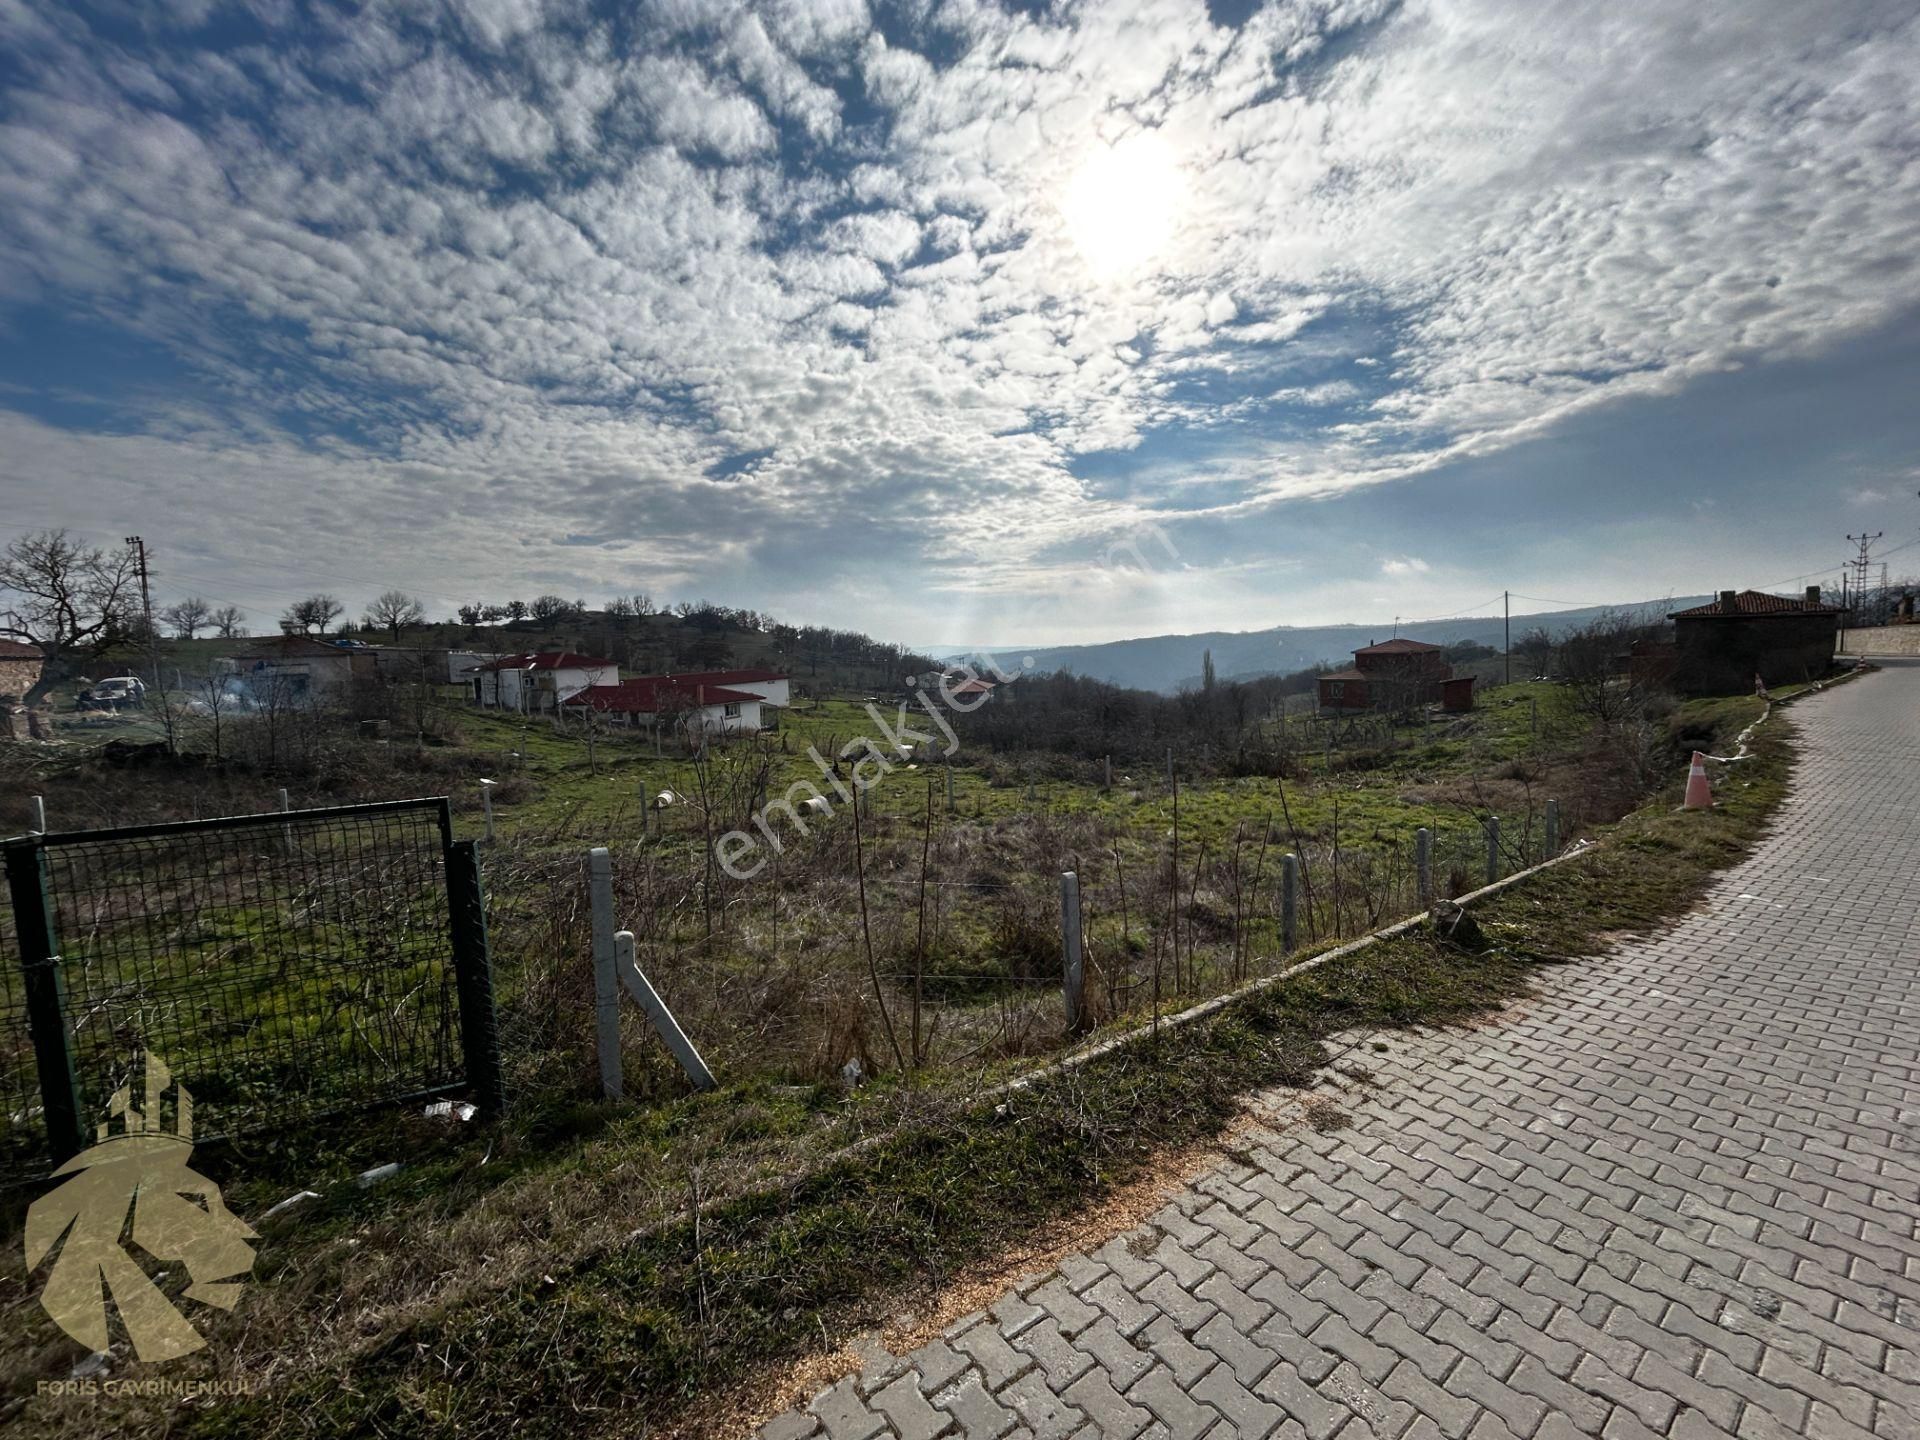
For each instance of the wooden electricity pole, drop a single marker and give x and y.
(1506, 609)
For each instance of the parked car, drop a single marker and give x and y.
(112, 693)
(346, 644)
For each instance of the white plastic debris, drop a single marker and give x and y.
(368, 1178)
(451, 1109)
(290, 1202)
(86, 1368)
(852, 1073)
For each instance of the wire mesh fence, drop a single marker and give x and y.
(283, 966)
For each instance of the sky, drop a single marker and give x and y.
(963, 323)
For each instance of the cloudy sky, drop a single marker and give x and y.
(964, 323)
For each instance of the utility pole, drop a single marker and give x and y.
(1859, 564)
(1506, 609)
(139, 548)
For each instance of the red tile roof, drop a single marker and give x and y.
(15, 650)
(549, 660)
(1347, 674)
(1398, 647)
(1757, 602)
(653, 693)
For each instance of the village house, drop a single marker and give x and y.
(1395, 674)
(296, 666)
(770, 687)
(671, 704)
(1720, 648)
(20, 667)
(539, 682)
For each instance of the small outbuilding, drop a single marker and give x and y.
(1722, 646)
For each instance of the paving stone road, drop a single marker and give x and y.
(1676, 1196)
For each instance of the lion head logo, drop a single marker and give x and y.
(135, 1185)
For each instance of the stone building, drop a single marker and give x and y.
(1722, 646)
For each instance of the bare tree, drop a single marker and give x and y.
(516, 610)
(316, 612)
(552, 607)
(1596, 661)
(1535, 649)
(393, 611)
(65, 597)
(228, 622)
(187, 618)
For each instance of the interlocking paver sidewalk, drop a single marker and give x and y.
(1678, 1195)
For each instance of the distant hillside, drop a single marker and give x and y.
(1168, 662)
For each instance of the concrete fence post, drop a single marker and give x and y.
(1106, 773)
(668, 1028)
(1423, 867)
(1073, 960)
(606, 975)
(950, 789)
(1289, 903)
(286, 831)
(486, 804)
(37, 824)
(1493, 848)
(1553, 829)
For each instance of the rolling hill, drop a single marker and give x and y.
(1168, 662)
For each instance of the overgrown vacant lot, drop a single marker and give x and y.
(557, 1249)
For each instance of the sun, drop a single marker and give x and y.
(1121, 203)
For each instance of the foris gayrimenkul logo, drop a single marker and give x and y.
(134, 1187)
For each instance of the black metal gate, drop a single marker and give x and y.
(284, 966)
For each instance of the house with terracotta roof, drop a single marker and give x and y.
(1720, 648)
(770, 686)
(682, 704)
(538, 682)
(1395, 674)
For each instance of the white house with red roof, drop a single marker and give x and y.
(537, 682)
(770, 686)
(677, 703)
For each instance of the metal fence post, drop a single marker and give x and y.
(1553, 829)
(1423, 866)
(1074, 972)
(641, 988)
(46, 997)
(473, 977)
(606, 975)
(1493, 848)
(1289, 903)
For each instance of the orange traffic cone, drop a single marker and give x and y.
(1699, 792)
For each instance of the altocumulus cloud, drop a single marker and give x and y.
(779, 298)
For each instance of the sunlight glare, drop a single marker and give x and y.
(1121, 203)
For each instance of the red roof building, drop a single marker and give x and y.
(1722, 647)
(1394, 674)
(673, 702)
